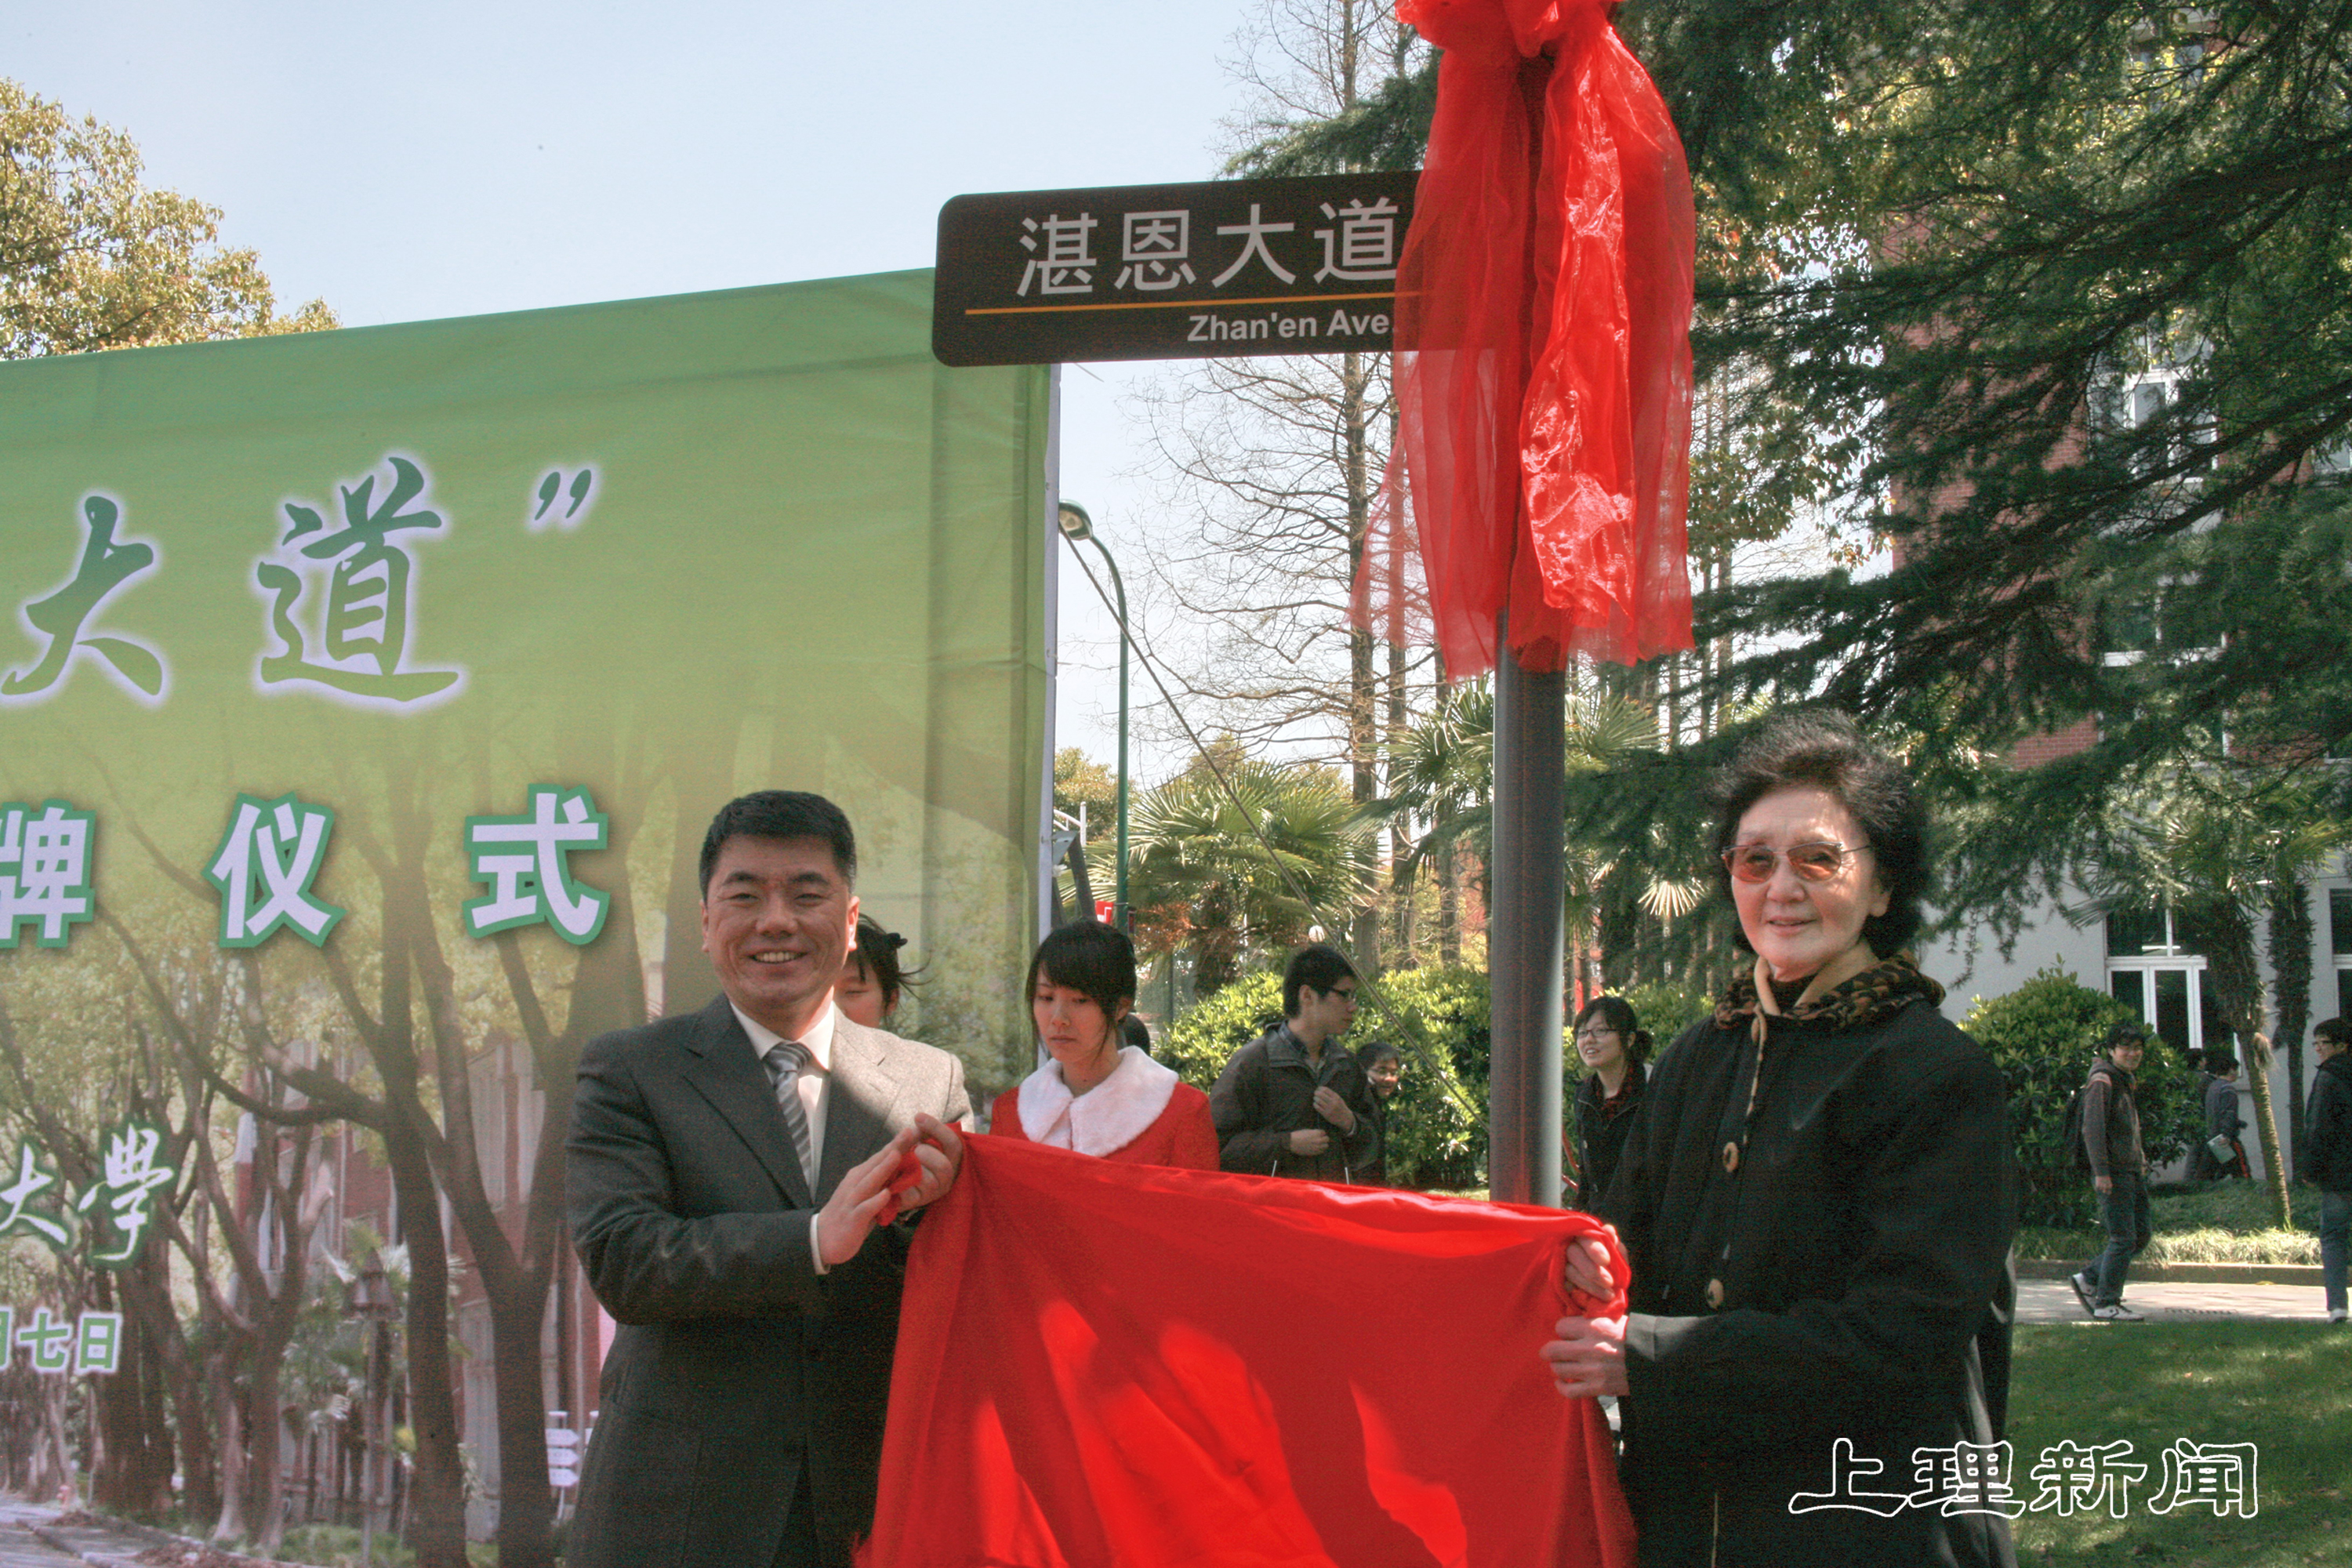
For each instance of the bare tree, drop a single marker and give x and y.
(1270, 469)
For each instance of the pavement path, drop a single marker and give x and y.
(2175, 1301)
(19, 1547)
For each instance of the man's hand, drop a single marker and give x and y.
(1588, 1360)
(856, 1205)
(2104, 1184)
(1311, 1140)
(1331, 1108)
(938, 1150)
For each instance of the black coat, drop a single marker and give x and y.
(1601, 1132)
(2328, 1126)
(1267, 1092)
(1834, 1266)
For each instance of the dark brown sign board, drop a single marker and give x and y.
(1200, 271)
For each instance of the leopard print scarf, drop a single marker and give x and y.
(1879, 992)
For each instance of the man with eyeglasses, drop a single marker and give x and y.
(1293, 1102)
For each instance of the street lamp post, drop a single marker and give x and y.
(1076, 525)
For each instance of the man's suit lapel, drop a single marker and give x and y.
(857, 1111)
(722, 1069)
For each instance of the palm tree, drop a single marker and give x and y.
(1441, 779)
(1219, 866)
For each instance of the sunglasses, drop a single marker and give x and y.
(1815, 862)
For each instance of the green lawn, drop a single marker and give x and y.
(2285, 1388)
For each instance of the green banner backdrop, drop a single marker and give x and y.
(644, 555)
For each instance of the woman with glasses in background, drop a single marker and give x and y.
(1817, 1204)
(1615, 1050)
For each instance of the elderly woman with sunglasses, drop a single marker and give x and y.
(1817, 1203)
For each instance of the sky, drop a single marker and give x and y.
(431, 159)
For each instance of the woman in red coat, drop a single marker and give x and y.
(1097, 1096)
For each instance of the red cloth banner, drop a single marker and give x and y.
(1543, 331)
(1104, 1364)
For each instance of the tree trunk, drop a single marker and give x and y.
(1449, 909)
(526, 1503)
(2290, 943)
(156, 1415)
(436, 1502)
(121, 1475)
(1400, 888)
(228, 1420)
(266, 1429)
(2224, 931)
(1363, 694)
(60, 1465)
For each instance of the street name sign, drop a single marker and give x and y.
(1197, 271)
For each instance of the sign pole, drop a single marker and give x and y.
(1526, 930)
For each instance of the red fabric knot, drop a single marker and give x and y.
(1543, 344)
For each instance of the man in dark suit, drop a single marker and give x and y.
(727, 1170)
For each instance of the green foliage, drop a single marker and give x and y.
(2044, 1036)
(1217, 870)
(1438, 1017)
(1205, 1036)
(1665, 1009)
(1079, 780)
(89, 259)
(1437, 1124)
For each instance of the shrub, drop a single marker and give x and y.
(1665, 1010)
(2044, 1036)
(1438, 1017)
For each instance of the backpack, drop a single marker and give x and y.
(2070, 1128)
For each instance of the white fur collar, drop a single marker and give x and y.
(1108, 1116)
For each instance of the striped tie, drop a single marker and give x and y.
(784, 1061)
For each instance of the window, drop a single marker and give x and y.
(2151, 973)
(2339, 941)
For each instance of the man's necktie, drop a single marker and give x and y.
(784, 1061)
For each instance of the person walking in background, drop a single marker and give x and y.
(1615, 1050)
(2119, 1174)
(1294, 1102)
(2222, 1155)
(1096, 1094)
(1384, 1067)
(2327, 1154)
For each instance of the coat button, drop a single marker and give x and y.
(1731, 1156)
(1715, 1295)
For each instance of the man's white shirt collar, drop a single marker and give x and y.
(817, 1041)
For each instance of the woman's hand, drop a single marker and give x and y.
(1588, 1360)
(1588, 1272)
